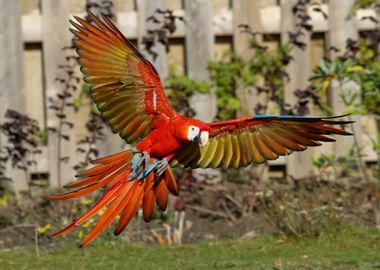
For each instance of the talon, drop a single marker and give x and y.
(162, 165)
(138, 159)
(145, 158)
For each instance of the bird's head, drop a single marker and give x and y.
(194, 131)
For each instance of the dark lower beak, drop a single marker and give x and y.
(197, 139)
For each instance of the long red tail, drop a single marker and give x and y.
(121, 196)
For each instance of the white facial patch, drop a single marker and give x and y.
(192, 132)
(204, 138)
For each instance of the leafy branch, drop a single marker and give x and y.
(180, 88)
(22, 143)
(166, 24)
(60, 104)
(358, 64)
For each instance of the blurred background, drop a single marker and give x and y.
(218, 59)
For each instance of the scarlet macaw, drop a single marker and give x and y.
(130, 96)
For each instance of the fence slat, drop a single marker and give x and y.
(223, 25)
(342, 27)
(199, 51)
(55, 15)
(201, 28)
(246, 12)
(298, 165)
(146, 8)
(12, 92)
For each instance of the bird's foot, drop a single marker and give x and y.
(162, 165)
(144, 159)
(138, 159)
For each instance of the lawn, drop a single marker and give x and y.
(350, 249)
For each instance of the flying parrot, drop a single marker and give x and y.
(130, 97)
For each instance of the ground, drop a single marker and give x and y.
(351, 248)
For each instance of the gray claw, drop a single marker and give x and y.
(162, 165)
(145, 158)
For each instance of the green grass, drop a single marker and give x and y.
(350, 249)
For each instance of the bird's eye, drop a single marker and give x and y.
(192, 128)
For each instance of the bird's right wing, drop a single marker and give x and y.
(125, 86)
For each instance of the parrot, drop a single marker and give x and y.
(130, 97)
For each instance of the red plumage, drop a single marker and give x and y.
(129, 94)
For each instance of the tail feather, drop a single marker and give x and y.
(99, 169)
(148, 199)
(161, 193)
(106, 175)
(131, 208)
(113, 158)
(105, 200)
(83, 182)
(110, 214)
(170, 182)
(110, 166)
(75, 194)
(122, 173)
(122, 195)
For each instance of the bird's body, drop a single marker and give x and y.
(166, 139)
(130, 96)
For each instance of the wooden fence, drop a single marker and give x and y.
(209, 25)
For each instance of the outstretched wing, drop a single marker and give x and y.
(240, 142)
(125, 86)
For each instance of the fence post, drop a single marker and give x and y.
(146, 8)
(342, 27)
(12, 91)
(199, 51)
(298, 164)
(248, 12)
(55, 16)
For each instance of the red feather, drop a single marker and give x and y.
(130, 96)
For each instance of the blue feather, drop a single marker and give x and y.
(145, 173)
(295, 117)
(136, 160)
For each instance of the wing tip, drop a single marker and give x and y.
(117, 231)
(298, 117)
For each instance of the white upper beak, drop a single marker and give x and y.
(204, 138)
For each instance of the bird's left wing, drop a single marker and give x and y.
(240, 142)
(125, 86)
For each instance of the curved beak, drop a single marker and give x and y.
(202, 138)
(197, 139)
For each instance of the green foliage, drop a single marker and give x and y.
(352, 248)
(370, 76)
(269, 66)
(180, 88)
(361, 66)
(231, 73)
(225, 76)
(359, 63)
(265, 70)
(340, 70)
(358, 4)
(337, 166)
(84, 98)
